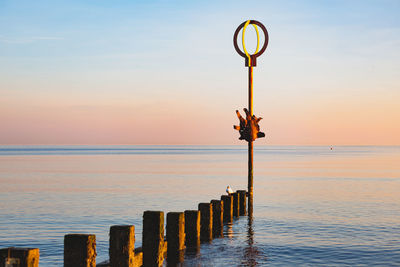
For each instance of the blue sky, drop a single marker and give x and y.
(162, 59)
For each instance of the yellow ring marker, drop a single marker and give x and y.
(258, 40)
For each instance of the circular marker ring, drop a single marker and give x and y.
(251, 58)
(243, 34)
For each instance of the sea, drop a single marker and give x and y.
(313, 205)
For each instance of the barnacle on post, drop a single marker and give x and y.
(248, 128)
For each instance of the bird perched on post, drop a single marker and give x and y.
(229, 190)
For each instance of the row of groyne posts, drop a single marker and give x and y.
(184, 233)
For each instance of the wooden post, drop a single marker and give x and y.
(228, 208)
(21, 257)
(242, 202)
(79, 250)
(122, 246)
(218, 217)
(192, 228)
(206, 221)
(153, 238)
(175, 236)
(236, 204)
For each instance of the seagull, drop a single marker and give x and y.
(229, 190)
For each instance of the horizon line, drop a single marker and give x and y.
(117, 144)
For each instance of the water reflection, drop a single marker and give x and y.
(229, 231)
(251, 251)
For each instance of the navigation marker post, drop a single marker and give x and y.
(249, 129)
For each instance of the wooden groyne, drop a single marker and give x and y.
(184, 232)
(28, 257)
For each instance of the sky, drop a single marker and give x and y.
(166, 72)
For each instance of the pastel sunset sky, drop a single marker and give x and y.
(166, 72)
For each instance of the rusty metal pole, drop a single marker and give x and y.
(250, 157)
(249, 129)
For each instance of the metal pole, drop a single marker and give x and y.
(246, 129)
(250, 167)
(251, 90)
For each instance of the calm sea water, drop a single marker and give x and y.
(313, 206)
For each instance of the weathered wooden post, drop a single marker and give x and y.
(228, 208)
(192, 228)
(153, 238)
(236, 204)
(218, 217)
(122, 246)
(19, 257)
(206, 221)
(79, 250)
(175, 236)
(242, 202)
(249, 129)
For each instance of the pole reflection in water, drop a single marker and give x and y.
(229, 231)
(251, 252)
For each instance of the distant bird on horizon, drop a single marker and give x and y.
(229, 190)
